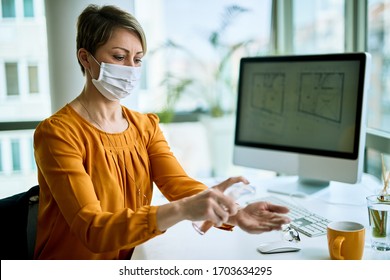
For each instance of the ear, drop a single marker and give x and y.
(82, 55)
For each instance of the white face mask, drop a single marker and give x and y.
(116, 82)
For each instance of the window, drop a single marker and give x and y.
(33, 79)
(28, 8)
(12, 79)
(15, 148)
(318, 26)
(31, 154)
(24, 90)
(8, 8)
(181, 56)
(379, 46)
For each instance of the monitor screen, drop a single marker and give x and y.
(303, 115)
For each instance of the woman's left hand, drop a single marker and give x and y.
(257, 217)
(261, 216)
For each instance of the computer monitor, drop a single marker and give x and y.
(303, 115)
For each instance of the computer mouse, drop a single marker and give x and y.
(278, 247)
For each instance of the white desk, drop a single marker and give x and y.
(181, 242)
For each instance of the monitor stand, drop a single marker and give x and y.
(296, 186)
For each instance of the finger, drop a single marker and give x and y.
(227, 204)
(231, 181)
(277, 218)
(217, 213)
(277, 208)
(222, 215)
(266, 227)
(280, 221)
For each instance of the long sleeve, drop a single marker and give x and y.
(168, 174)
(96, 187)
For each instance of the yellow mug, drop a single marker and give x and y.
(346, 240)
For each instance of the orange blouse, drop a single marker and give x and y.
(96, 187)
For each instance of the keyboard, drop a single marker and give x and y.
(302, 220)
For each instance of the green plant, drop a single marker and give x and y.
(175, 86)
(377, 216)
(223, 81)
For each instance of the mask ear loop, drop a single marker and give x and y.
(94, 59)
(90, 73)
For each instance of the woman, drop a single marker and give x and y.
(97, 160)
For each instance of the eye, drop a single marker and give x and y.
(138, 60)
(119, 57)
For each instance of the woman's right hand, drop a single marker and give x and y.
(210, 205)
